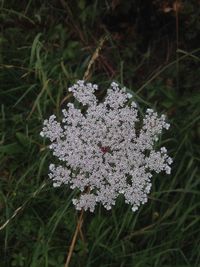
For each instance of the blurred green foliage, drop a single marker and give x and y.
(153, 49)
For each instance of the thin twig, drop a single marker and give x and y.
(160, 70)
(78, 229)
(86, 76)
(15, 213)
(94, 57)
(13, 216)
(71, 18)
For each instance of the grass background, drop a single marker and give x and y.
(152, 48)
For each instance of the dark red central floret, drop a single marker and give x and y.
(104, 149)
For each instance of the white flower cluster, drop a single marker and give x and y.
(103, 153)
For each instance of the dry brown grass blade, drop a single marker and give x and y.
(94, 57)
(78, 229)
(86, 76)
(13, 216)
(15, 213)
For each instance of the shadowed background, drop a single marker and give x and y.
(152, 48)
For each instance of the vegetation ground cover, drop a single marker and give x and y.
(152, 49)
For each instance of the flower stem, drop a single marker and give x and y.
(78, 229)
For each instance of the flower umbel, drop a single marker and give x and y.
(102, 148)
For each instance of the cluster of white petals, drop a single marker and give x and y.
(106, 150)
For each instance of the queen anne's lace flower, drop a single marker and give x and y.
(102, 151)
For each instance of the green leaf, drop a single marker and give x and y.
(23, 140)
(10, 149)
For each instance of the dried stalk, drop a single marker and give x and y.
(78, 229)
(94, 57)
(80, 219)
